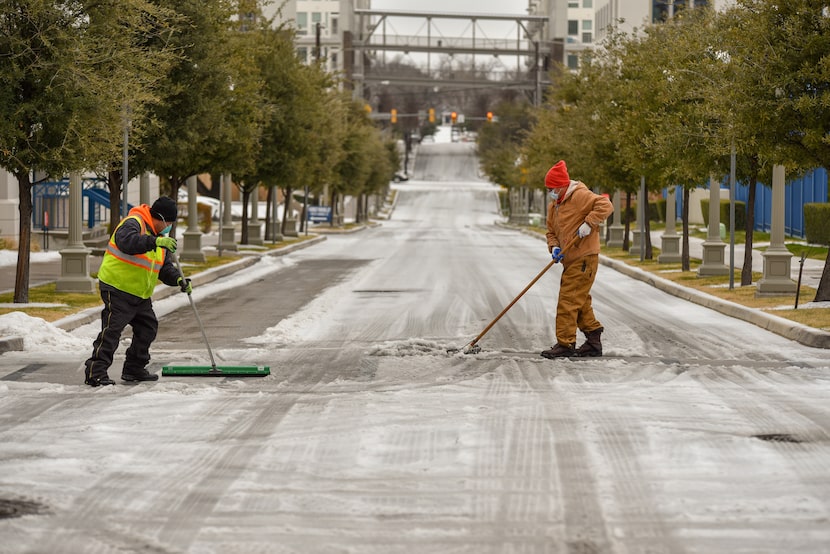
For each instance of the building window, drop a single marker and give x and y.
(316, 17)
(334, 24)
(302, 53)
(587, 30)
(573, 27)
(302, 23)
(660, 8)
(573, 3)
(587, 3)
(573, 61)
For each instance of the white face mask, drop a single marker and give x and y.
(554, 194)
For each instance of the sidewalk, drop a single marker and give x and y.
(810, 277)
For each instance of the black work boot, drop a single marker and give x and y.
(99, 381)
(559, 351)
(140, 375)
(592, 346)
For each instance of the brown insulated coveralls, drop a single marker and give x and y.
(579, 266)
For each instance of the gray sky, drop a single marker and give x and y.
(463, 6)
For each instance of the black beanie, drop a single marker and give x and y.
(164, 208)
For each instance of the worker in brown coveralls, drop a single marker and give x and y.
(574, 215)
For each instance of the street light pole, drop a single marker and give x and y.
(125, 174)
(732, 164)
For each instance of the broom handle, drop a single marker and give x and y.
(195, 312)
(527, 288)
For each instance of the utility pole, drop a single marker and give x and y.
(317, 54)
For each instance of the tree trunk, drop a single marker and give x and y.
(246, 195)
(746, 270)
(685, 262)
(823, 291)
(114, 186)
(24, 244)
(269, 231)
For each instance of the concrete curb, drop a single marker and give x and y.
(803, 334)
(8, 344)
(808, 336)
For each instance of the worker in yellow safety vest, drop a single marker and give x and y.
(133, 264)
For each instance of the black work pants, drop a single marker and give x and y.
(122, 309)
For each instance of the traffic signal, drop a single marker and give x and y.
(432, 115)
(393, 115)
(453, 117)
(489, 117)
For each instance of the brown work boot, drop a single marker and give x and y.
(559, 351)
(592, 346)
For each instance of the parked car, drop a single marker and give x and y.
(212, 202)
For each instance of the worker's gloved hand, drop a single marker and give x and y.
(167, 242)
(185, 285)
(583, 231)
(556, 254)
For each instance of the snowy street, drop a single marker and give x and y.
(697, 433)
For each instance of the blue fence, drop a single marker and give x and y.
(811, 188)
(50, 201)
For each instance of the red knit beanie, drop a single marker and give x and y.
(557, 176)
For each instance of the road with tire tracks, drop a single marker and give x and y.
(697, 432)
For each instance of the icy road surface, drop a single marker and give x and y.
(698, 433)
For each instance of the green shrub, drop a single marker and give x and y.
(740, 213)
(817, 223)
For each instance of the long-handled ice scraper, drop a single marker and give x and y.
(213, 370)
(472, 346)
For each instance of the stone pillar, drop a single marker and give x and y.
(670, 241)
(9, 206)
(75, 257)
(254, 224)
(273, 228)
(714, 248)
(290, 227)
(144, 188)
(617, 229)
(191, 250)
(777, 259)
(227, 233)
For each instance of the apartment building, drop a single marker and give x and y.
(582, 24)
(323, 28)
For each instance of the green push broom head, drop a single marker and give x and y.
(216, 371)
